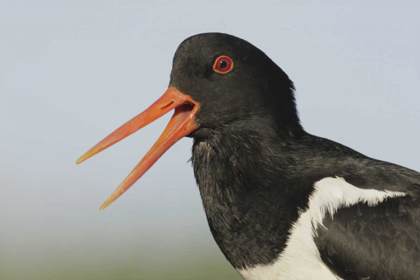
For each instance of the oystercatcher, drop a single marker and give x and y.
(281, 203)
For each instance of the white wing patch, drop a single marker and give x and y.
(301, 260)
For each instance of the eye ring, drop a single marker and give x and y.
(223, 64)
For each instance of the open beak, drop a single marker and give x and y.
(181, 124)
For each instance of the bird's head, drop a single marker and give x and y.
(216, 79)
(231, 80)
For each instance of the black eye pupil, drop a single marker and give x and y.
(223, 64)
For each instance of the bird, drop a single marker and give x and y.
(281, 203)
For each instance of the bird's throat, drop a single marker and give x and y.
(247, 211)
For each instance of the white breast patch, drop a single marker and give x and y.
(301, 259)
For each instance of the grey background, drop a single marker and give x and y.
(73, 71)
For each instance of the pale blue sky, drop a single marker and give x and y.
(73, 71)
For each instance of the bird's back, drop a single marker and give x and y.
(369, 239)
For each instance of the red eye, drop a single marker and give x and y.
(223, 65)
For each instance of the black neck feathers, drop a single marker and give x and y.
(244, 172)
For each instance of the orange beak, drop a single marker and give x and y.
(181, 124)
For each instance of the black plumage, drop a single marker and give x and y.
(251, 205)
(256, 168)
(266, 183)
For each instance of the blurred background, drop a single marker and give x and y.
(73, 71)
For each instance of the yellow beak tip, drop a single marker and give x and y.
(81, 159)
(105, 205)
